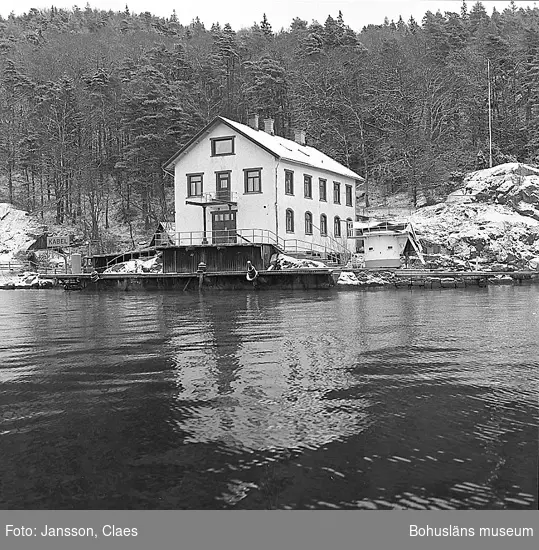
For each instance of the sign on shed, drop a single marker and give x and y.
(57, 242)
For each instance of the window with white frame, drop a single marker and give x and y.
(308, 186)
(253, 180)
(289, 220)
(337, 226)
(222, 146)
(194, 185)
(349, 196)
(308, 223)
(322, 189)
(289, 182)
(336, 192)
(349, 227)
(323, 225)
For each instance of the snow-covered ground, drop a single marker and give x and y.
(23, 280)
(492, 221)
(282, 261)
(364, 278)
(15, 229)
(151, 265)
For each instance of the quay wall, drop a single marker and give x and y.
(219, 281)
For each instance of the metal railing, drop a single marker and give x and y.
(215, 196)
(41, 268)
(221, 237)
(326, 248)
(13, 266)
(385, 226)
(385, 211)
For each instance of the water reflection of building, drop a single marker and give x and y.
(255, 374)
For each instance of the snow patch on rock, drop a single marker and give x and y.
(15, 226)
(151, 265)
(282, 261)
(484, 232)
(365, 278)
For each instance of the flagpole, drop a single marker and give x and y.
(489, 115)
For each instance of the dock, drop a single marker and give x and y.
(294, 279)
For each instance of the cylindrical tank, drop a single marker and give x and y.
(76, 264)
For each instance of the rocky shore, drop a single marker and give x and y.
(490, 223)
(373, 279)
(23, 280)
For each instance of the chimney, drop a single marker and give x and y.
(253, 122)
(268, 126)
(299, 137)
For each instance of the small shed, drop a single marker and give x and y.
(164, 235)
(386, 243)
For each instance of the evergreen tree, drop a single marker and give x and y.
(265, 27)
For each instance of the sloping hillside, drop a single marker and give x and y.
(493, 220)
(16, 230)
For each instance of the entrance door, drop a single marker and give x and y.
(224, 227)
(223, 186)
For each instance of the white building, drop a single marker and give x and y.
(235, 183)
(386, 243)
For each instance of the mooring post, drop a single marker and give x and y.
(201, 270)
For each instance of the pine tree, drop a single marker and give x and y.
(265, 26)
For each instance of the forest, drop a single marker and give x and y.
(93, 102)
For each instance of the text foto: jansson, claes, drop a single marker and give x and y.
(48, 531)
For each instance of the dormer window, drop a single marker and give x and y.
(222, 146)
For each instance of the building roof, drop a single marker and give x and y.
(278, 146)
(163, 228)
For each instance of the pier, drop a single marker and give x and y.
(296, 279)
(300, 279)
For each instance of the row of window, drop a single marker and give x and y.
(252, 181)
(225, 146)
(322, 188)
(290, 227)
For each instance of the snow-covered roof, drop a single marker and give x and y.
(169, 227)
(280, 147)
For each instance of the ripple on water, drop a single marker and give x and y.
(270, 400)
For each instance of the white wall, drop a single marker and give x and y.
(381, 255)
(300, 205)
(258, 210)
(254, 210)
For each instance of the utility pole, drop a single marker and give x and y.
(489, 116)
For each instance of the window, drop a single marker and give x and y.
(322, 184)
(349, 198)
(253, 180)
(308, 186)
(194, 185)
(349, 227)
(308, 223)
(336, 192)
(289, 182)
(222, 146)
(289, 221)
(323, 225)
(337, 226)
(222, 185)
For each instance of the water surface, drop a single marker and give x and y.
(318, 399)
